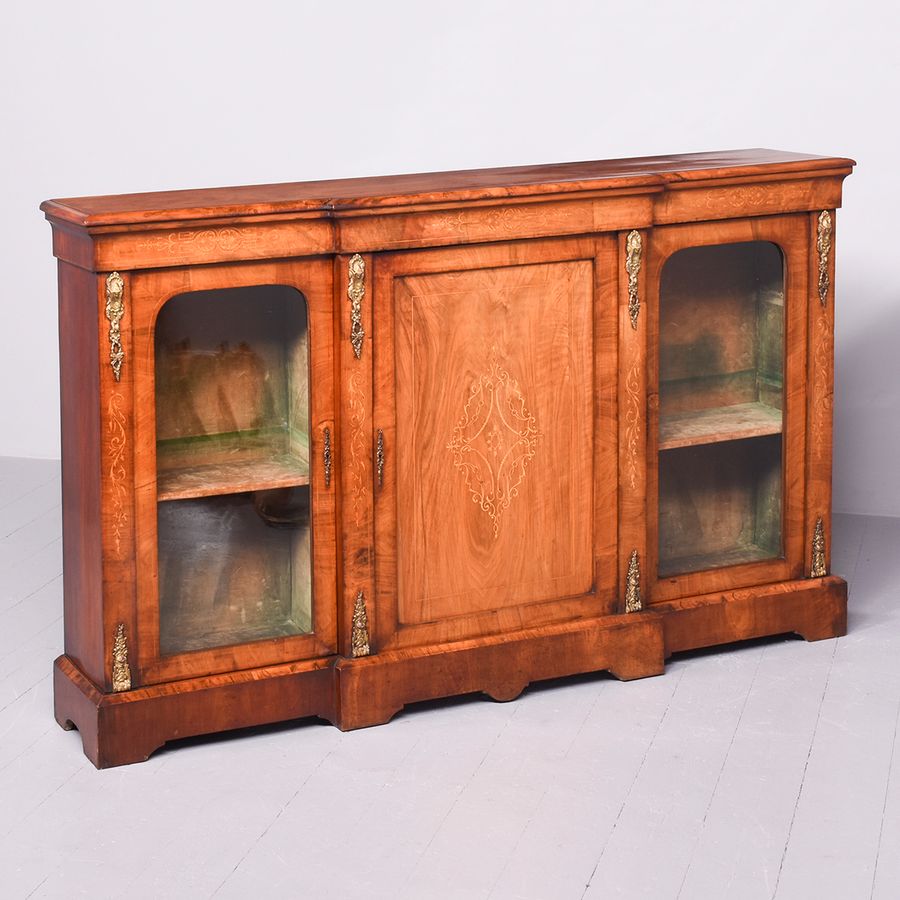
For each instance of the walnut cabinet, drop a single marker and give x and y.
(330, 448)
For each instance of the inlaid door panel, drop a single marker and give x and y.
(488, 397)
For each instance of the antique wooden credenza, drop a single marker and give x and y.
(333, 447)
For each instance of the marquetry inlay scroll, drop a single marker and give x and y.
(118, 474)
(821, 396)
(356, 398)
(356, 289)
(818, 569)
(359, 635)
(115, 309)
(633, 600)
(634, 248)
(633, 419)
(823, 248)
(493, 441)
(121, 673)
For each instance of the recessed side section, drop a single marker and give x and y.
(232, 428)
(721, 401)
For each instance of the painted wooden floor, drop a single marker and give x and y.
(767, 770)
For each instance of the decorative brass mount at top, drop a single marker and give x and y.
(634, 247)
(356, 289)
(115, 309)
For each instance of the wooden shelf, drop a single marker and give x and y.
(721, 423)
(231, 477)
(199, 632)
(701, 562)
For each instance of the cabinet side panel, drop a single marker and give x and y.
(80, 407)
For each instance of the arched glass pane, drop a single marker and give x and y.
(721, 390)
(232, 427)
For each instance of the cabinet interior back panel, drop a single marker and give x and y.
(494, 434)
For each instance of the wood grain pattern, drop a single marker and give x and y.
(135, 231)
(816, 609)
(122, 728)
(469, 185)
(265, 474)
(117, 729)
(357, 445)
(82, 485)
(472, 471)
(503, 460)
(820, 377)
(493, 221)
(119, 450)
(633, 401)
(718, 423)
(374, 689)
(699, 203)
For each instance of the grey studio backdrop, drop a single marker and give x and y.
(112, 97)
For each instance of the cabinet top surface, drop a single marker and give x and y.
(322, 197)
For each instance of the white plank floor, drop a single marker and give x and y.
(770, 769)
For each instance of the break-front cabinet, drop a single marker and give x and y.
(332, 448)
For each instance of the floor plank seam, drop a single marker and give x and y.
(277, 816)
(887, 789)
(859, 550)
(37, 887)
(457, 798)
(637, 774)
(18, 697)
(55, 650)
(23, 495)
(29, 595)
(601, 686)
(46, 799)
(57, 508)
(809, 751)
(715, 788)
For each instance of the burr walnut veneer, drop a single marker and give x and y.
(333, 447)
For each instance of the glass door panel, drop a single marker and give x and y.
(721, 388)
(232, 429)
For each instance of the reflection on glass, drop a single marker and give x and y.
(721, 387)
(232, 423)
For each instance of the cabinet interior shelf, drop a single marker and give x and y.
(701, 562)
(231, 477)
(718, 424)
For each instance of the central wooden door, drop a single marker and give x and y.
(495, 497)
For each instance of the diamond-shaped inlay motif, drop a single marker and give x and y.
(494, 441)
